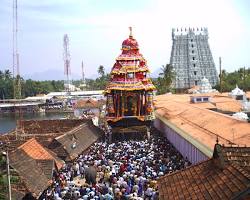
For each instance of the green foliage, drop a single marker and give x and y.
(2, 161)
(29, 87)
(99, 83)
(6, 85)
(240, 77)
(101, 71)
(32, 88)
(164, 81)
(3, 181)
(14, 179)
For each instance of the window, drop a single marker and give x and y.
(193, 58)
(191, 40)
(192, 51)
(130, 75)
(205, 99)
(198, 99)
(194, 65)
(195, 72)
(192, 45)
(239, 97)
(196, 82)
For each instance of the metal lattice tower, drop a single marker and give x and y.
(66, 58)
(83, 75)
(83, 83)
(16, 70)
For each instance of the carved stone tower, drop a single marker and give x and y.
(191, 58)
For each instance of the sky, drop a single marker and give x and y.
(96, 29)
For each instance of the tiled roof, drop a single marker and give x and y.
(237, 155)
(47, 166)
(205, 181)
(76, 141)
(248, 94)
(206, 105)
(201, 124)
(38, 152)
(32, 162)
(40, 127)
(220, 101)
(87, 103)
(15, 141)
(216, 178)
(28, 169)
(229, 106)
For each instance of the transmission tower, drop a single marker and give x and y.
(66, 58)
(16, 71)
(83, 75)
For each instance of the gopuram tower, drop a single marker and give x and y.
(191, 58)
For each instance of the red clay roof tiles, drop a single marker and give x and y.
(210, 179)
(202, 124)
(38, 152)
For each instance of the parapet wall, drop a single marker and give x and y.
(189, 31)
(47, 126)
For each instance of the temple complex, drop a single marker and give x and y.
(130, 90)
(191, 58)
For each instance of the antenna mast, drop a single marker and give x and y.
(83, 84)
(220, 75)
(83, 75)
(15, 61)
(66, 58)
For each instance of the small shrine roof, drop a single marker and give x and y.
(237, 91)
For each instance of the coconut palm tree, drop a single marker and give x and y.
(101, 70)
(7, 74)
(166, 78)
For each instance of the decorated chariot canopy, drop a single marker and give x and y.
(130, 90)
(130, 71)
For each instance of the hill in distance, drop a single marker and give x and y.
(53, 74)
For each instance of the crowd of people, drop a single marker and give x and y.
(121, 170)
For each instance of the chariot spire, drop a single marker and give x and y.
(130, 32)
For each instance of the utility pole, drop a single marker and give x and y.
(8, 172)
(244, 78)
(220, 75)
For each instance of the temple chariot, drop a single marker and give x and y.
(129, 93)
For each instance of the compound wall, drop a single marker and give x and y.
(185, 147)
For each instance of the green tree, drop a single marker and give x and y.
(101, 82)
(101, 71)
(240, 77)
(7, 74)
(6, 85)
(165, 79)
